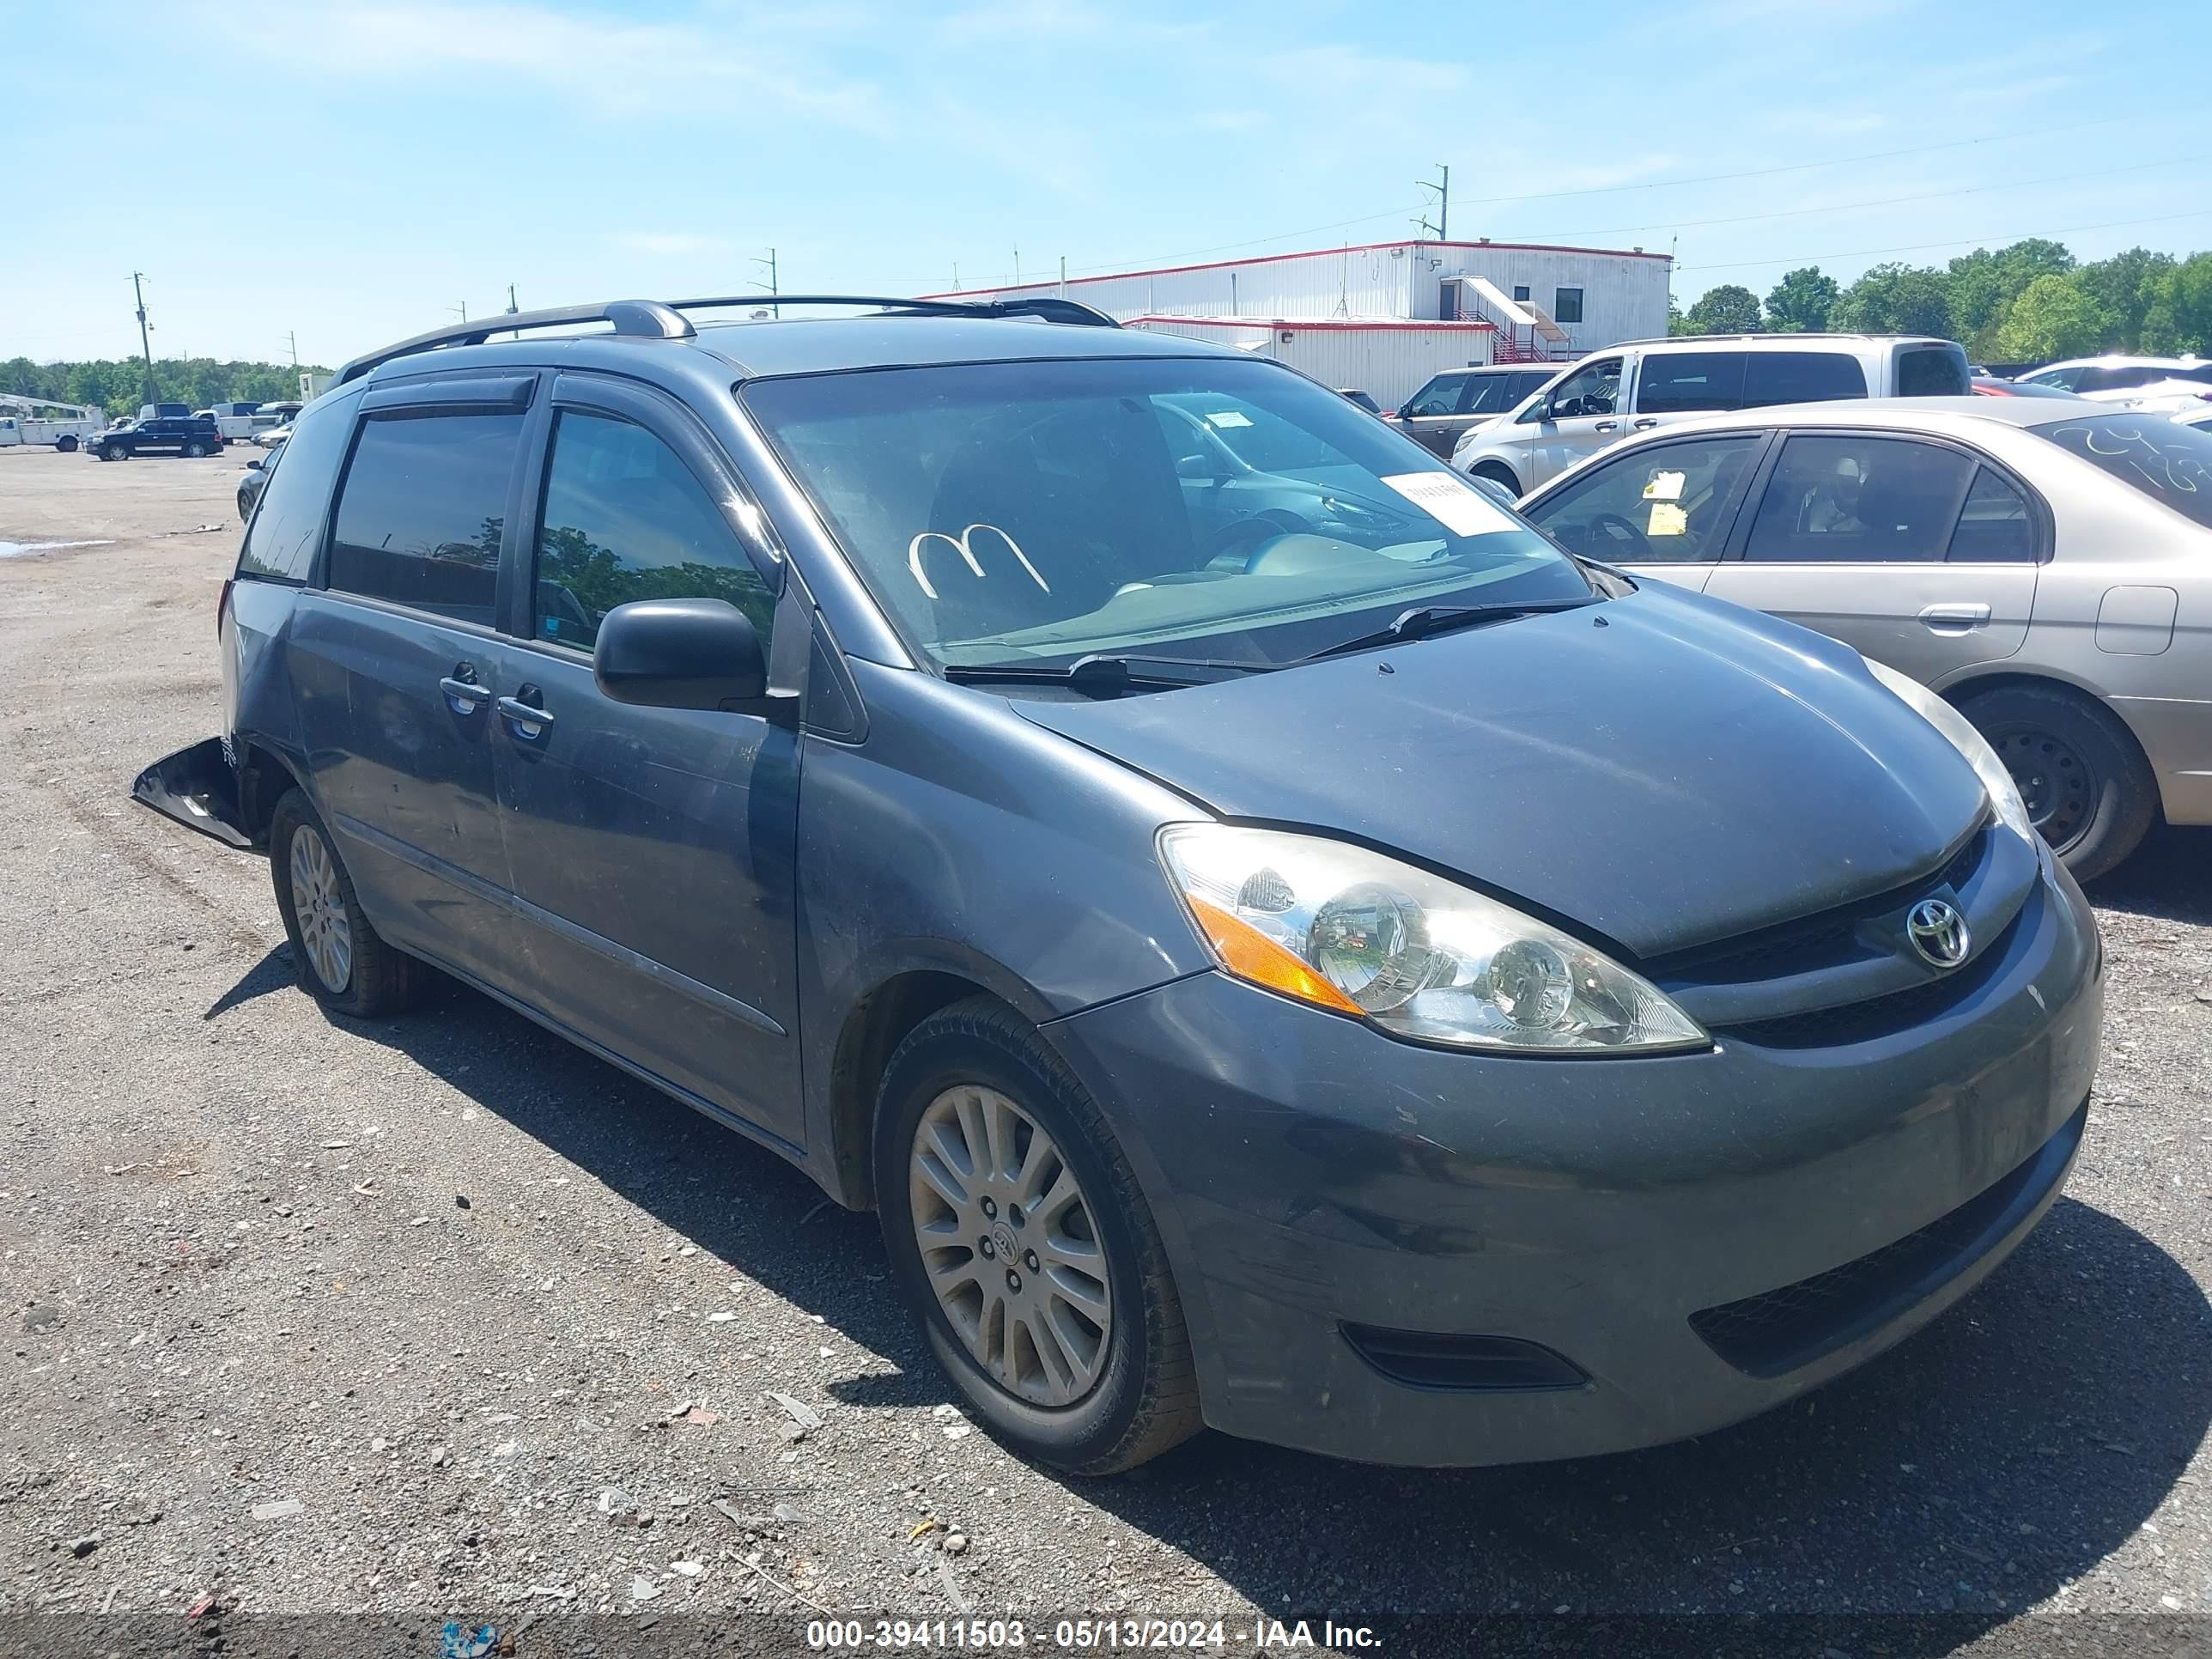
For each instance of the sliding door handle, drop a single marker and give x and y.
(1953, 618)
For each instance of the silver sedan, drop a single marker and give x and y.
(2047, 567)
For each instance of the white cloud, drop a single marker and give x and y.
(611, 63)
(1348, 77)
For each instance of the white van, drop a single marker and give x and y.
(1642, 383)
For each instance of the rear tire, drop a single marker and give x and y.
(1108, 1400)
(193, 451)
(1498, 473)
(342, 961)
(66, 444)
(2089, 791)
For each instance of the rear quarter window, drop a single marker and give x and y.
(1931, 371)
(286, 527)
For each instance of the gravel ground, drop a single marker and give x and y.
(320, 1318)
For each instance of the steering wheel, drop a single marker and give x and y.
(1623, 531)
(1234, 545)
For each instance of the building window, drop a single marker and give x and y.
(1567, 305)
(1520, 290)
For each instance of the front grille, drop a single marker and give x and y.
(1860, 1022)
(1490, 1365)
(1778, 1331)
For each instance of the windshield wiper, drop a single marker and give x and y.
(1099, 676)
(1425, 619)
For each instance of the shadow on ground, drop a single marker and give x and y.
(1997, 1456)
(2170, 877)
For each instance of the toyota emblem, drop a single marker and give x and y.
(1938, 932)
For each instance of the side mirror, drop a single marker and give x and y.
(1198, 468)
(681, 653)
(254, 464)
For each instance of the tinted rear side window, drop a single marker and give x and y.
(1931, 371)
(420, 517)
(1860, 500)
(287, 528)
(1675, 382)
(1800, 377)
(1994, 527)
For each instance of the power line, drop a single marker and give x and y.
(1958, 241)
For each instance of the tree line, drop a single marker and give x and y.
(2030, 302)
(118, 385)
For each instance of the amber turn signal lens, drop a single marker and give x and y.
(1247, 952)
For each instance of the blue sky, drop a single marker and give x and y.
(354, 170)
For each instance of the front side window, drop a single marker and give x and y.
(623, 519)
(1567, 305)
(2166, 461)
(1931, 371)
(1493, 393)
(1800, 377)
(1439, 396)
(1034, 513)
(1593, 389)
(1678, 382)
(1668, 504)
(422, 511)
(1860, 500)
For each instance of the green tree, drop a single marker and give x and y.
(2054, 316)
(1895, 298)
(1800, 301)
(2128, 285)
(1982, 284)
(2179, 315)
(1730, 308)
(117, 385)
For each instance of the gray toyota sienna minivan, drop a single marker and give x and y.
(1281, 945)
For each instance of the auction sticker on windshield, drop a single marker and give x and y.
(1459, 507)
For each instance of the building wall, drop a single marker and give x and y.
(1389, 361)
(1624, 294)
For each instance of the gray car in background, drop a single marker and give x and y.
(2046, 565)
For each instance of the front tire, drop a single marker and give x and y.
(342, 961)
(1017, 1231)
(1498, 474)
(2089, 792)
(113, 452)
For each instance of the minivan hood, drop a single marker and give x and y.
(1662, 771)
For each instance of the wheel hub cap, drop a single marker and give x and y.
(323, 930)
(2056, 784)
(1010, 1245)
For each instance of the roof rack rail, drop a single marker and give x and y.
(656, 319)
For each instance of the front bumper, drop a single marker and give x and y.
(1311, 1174)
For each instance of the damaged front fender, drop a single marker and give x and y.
(198, 787)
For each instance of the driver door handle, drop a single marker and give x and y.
(465, 691)
(1953, 618)
(1606, 425)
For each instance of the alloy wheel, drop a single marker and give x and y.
(1011, 1244)
(319, 908)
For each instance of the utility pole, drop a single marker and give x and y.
(956, 276)
(1063, 276)
(292, 339)
(1442, 226)
(512, 309)
(768, 265)
(145, 344)
(1018, 267)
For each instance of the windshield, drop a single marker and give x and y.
(2166, 460)
(1034, 513)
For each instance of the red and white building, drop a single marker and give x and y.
(1384, 316)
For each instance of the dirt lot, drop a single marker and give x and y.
(322, 1318)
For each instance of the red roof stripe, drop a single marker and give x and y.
(1293, 325)
(1311, 253)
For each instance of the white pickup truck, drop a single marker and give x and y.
(35, 421)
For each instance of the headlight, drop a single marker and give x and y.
(2004, 793)
(1342, 929)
